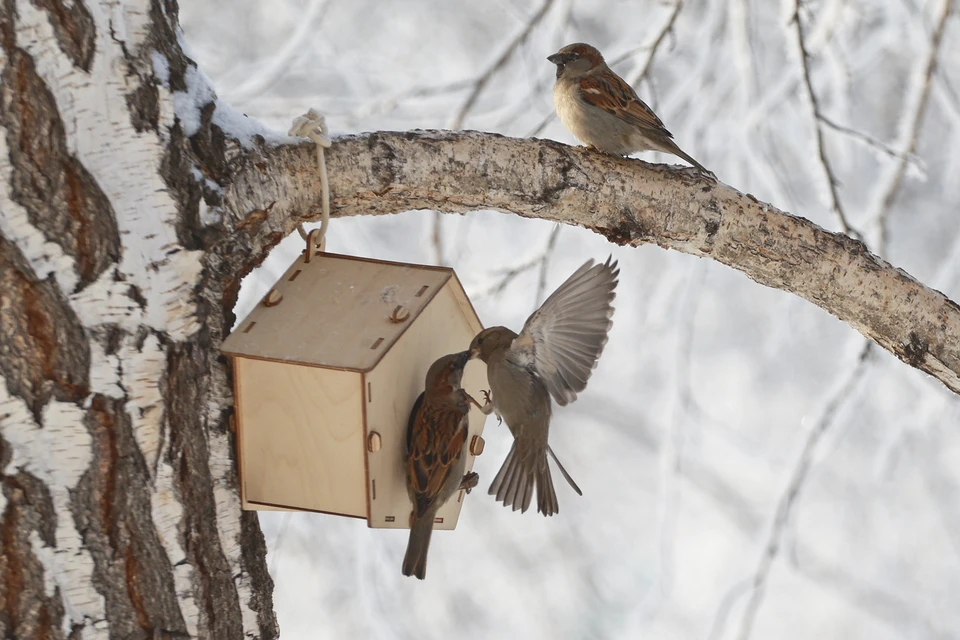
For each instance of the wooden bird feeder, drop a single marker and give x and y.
(326, 370)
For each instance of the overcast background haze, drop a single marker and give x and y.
(727, 422)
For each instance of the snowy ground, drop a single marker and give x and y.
(745, 471)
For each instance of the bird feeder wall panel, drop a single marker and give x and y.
(300, 446)
(326, 371)
(394, 391)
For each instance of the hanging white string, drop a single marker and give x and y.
(313, 125)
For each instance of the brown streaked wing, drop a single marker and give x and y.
(611, 93)
(437, 439)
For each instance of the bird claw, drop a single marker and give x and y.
(487, 407)
(469, 481)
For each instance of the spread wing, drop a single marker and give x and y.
(610, 92)
(436, 434)
(563, 339)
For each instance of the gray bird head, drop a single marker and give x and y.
(489, 340)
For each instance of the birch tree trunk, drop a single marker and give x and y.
(120, 516)
(132, 204)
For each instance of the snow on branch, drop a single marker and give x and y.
(628, 201)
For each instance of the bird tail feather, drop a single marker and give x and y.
(566, 476)
(669, 146)
(517, 479)
(415, 560)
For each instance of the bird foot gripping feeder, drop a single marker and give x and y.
(326, 370)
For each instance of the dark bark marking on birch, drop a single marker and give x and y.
(914, 350)
(162, 37)
(8, 27)
(74, 29)
(111, 506)
(143, 103)
(175, 172)
(44, 351)
(25, 609)
(185, 388)
(254, 546)
(60, 197)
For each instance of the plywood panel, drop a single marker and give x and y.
(301, 437)
(335, 312)
(444, 327)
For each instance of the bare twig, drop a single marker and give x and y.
(911, 135)
(478, 86)
(653, 47)
(831, 177)
(742, 47)
(436, 238)
(386, 105)
(793, 490)
(545, 261)
(687, 397)
(272, 70)
(870, 141)
(509, 275)
(481, 82)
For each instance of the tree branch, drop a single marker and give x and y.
(628, 201)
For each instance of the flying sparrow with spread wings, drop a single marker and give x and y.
(553, 355)
(436, 453)
(604, 112)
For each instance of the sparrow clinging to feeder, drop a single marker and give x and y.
(436, 453)
(553, 355)
(604, 112)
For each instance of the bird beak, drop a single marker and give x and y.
(474, 352)
(463, 357)
(557, 58)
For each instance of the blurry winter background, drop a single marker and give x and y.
(751, 467)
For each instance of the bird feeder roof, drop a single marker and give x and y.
(335, 311)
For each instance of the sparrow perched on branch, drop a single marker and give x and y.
(604, 112)
(553, 355)
(436, 453)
